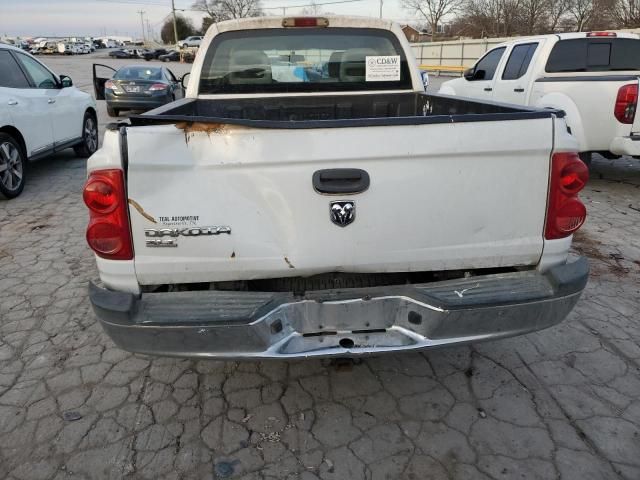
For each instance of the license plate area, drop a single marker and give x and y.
(132, 88)
(392, 339)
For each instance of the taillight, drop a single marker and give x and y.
(305, 22)
(573, 176)
(108, 233)
(565, 212)
(601, 34)
(157, 87)
(110, 85)
(99, 194)
(626, 103)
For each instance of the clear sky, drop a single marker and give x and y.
(120, 17)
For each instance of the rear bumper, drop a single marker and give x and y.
(626, 145)
(137, 103)
(343, 323)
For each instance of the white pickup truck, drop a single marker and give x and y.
(593, 77)
(308, 198)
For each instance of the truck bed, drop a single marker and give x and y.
(435, 201)
(328, 111)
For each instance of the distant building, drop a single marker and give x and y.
(414, 35)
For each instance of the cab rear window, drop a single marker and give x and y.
(304, 60)
(594, 55)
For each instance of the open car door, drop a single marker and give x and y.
(98, 82)
(177, 85)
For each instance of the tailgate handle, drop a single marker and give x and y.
(340, 180)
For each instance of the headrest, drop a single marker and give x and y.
(249, 66)
(353, 65)
(334, 64)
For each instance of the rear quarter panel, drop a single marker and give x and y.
(114, 274)
(555, 252)
(589, 106)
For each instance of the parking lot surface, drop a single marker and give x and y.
(561, 403)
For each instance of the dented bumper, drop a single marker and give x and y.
(343, 323)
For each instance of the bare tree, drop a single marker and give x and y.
(495, 18)
(433, 11)
(493, 13)
(556, 11)
(509, 15)
(498, 18)
(533, 14)
(626, 13)
(581, 11)
(220, 10)
(311, 9)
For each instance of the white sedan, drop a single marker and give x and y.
(40, 113)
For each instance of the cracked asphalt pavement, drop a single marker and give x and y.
(561, 403)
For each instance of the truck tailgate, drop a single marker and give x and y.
(441, 196)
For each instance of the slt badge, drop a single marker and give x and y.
(342, 212)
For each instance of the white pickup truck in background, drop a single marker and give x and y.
(308, 198)
(592, 76)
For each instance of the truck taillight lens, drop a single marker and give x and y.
(99, 195)
(626, 103)
(108, 233)
(305, 22)
(601, 34)
(565, 212)
(569, 217)
(573, 176)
